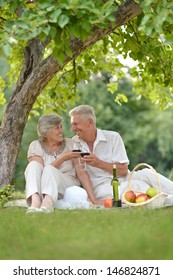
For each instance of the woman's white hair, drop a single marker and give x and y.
(46, 122)
(84, 110)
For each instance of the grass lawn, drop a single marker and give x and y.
(121, 234)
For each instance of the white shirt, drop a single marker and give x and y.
(109, 147)
(36, 149)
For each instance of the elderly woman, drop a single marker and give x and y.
(52, 167)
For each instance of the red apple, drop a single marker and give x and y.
(141, 197)
(108, 203)
(130, 196)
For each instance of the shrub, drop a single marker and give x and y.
(6, 194)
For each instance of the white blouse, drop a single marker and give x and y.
(67, 167)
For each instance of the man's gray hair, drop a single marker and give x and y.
(84, 110)
(46, 122)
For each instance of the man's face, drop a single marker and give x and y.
(79, 125)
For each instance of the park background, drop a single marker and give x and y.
(96, 77)
(134, 101)
(146, 130)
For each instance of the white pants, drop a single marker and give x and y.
(141, 180)
(46, 180)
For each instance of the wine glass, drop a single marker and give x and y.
(77, 148)
(83, 153)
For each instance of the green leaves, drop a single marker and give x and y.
(63, 20)
(112, 87)
(168, 39)
(147, 39)
(65, 14)
(158, 17)
(53, 17)
(2, 86)
(120, 97)
(59, 20)
(6, 194)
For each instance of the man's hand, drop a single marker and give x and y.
(91, 159)
(97, 202)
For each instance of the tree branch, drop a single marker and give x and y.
(46, 69)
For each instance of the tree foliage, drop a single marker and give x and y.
(147, 39)
(52, 45)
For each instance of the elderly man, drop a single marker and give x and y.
(107, 148)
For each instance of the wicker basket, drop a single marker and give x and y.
(155, 202)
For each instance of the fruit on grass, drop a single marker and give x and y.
(151, 192)
(130, 196)
(142, 197)
(108, 203)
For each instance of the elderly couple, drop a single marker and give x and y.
(54, 167)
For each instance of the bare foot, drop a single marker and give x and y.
(47, 201)
(36, 200)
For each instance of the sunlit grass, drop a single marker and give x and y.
(86, 234)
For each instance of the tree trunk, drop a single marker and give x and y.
(35, 75)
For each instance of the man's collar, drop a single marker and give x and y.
(100, 136)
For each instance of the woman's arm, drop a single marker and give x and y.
(64, 157)
(36, 158)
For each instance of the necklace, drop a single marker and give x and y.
(56, 153)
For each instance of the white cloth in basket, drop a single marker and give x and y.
(169, 201)
(142, 186)
(136, 185)
(74, 198)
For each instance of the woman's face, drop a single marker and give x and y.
(55, 133)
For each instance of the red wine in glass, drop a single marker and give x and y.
(84, 154)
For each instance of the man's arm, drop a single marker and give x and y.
(93, 160)
(83, 177)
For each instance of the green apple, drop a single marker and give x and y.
(151, 192)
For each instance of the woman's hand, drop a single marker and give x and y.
(69, 155)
